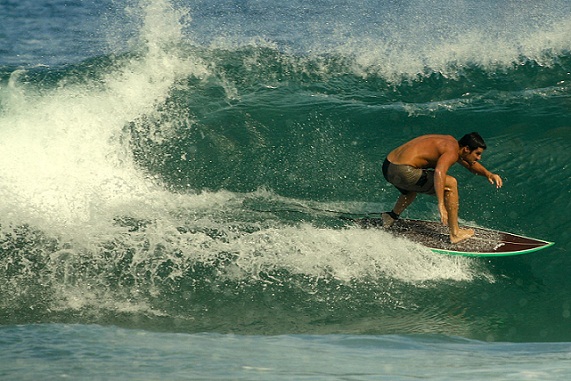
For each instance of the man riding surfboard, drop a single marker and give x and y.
(421, 166)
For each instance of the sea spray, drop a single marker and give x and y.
(67, 150)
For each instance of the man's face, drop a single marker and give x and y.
(472, 157)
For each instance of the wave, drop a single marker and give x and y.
(396, 40)
(185, 183)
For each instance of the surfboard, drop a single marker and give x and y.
(433, 235)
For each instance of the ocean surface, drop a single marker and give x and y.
(172, 175)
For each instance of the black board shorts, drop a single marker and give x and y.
(407, 178)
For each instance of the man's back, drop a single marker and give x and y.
(424, 151)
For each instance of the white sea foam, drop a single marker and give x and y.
(65, 152)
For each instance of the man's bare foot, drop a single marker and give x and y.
(462, 235)
(388, 221)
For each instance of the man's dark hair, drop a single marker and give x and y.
(472, 141)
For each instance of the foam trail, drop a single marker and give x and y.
(345, 255)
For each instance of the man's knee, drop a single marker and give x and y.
(451, 184)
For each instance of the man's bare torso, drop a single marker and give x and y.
(424, 151)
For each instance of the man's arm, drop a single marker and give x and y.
(479, 169)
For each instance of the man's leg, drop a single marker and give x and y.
(402, 203)
(451, 202)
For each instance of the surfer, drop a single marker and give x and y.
(421, 166)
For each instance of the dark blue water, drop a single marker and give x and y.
(177, 170)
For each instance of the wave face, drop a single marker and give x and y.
(189, 178)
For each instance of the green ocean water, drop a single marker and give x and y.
(189, 187)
